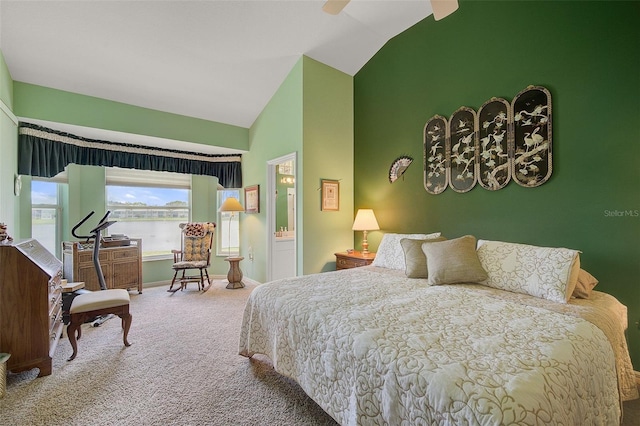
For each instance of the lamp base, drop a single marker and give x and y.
(365, 243)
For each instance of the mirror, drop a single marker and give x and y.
(285, 199)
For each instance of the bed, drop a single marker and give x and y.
(375, 345)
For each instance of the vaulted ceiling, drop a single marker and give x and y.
(215, 60)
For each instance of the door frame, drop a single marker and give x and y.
(271, 209)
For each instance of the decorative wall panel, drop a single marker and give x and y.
(494, 167)
(463, 140)
(435, 155)
(502, 141)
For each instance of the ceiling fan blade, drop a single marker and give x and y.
(443, 8)
(333, 7)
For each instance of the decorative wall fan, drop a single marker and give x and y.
(398, 167)
(441, 8)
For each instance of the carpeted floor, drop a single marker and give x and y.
(182, 369)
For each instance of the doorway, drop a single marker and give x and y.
(281, 217)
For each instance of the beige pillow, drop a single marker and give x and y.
(453, 261)
(389, 254)
(414, 259)
(586, 283)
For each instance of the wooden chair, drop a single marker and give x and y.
(87, 306)
(195, 254)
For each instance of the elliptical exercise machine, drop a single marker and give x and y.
(95, 236)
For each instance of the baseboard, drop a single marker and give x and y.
(215, 277)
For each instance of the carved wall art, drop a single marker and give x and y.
(503, 141)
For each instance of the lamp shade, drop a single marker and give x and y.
(365, 221)
(231, 204)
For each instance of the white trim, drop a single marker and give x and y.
(8, 112)
(271, 210)
(147, 178)
(131, 138)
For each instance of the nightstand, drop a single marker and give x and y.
(355, 259)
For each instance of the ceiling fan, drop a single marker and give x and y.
(441, 8)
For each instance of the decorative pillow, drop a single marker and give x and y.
(545, 272)
(414, 258)
(453, 261)
(586, 283)
(390, 254)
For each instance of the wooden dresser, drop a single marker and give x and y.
(30, 305)
(345, 260)
(121, 266)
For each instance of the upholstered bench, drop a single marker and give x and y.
(90, 305)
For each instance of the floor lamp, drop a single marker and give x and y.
(231, 205)
(234, 276)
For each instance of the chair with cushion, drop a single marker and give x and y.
(194, 255)
(88, 306)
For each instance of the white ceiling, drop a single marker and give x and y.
(215, 60)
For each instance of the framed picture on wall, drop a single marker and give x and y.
(252, 199)
(330, 195)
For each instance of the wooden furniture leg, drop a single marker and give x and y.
(91, 305)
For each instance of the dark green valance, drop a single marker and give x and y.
(46, 152)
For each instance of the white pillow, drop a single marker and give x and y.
(390, 254)
(545, 272)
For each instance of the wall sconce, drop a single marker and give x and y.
(365, 221)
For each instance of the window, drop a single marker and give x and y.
(228, 242)
(149, 205)
(45, 215)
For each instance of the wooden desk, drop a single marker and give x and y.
(235, 274)
(30, 305)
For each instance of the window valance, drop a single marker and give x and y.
(46, 152)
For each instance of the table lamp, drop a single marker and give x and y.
(365, 221)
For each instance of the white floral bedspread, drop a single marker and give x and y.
(373, 347)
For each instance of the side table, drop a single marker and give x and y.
(354, 259)
(235, 274)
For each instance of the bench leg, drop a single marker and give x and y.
(72, 329)
(126, 325)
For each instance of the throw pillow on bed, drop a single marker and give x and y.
(545, 272)
(414, 258)
(390, 254)
(584, 287)
(453, 261)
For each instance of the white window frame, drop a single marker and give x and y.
(149, 179)
(57, 180)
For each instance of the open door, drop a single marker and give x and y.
(281, 218)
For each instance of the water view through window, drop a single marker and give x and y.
(44, 214)
(152, 214)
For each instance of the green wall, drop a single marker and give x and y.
(86, 188)
(44, 103)
(9, 210)
(588, 55)
(328, 154)
(311, 114)
(276, 132)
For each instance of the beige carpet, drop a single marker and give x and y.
(182, 369)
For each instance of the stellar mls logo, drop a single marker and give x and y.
(621, 213)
